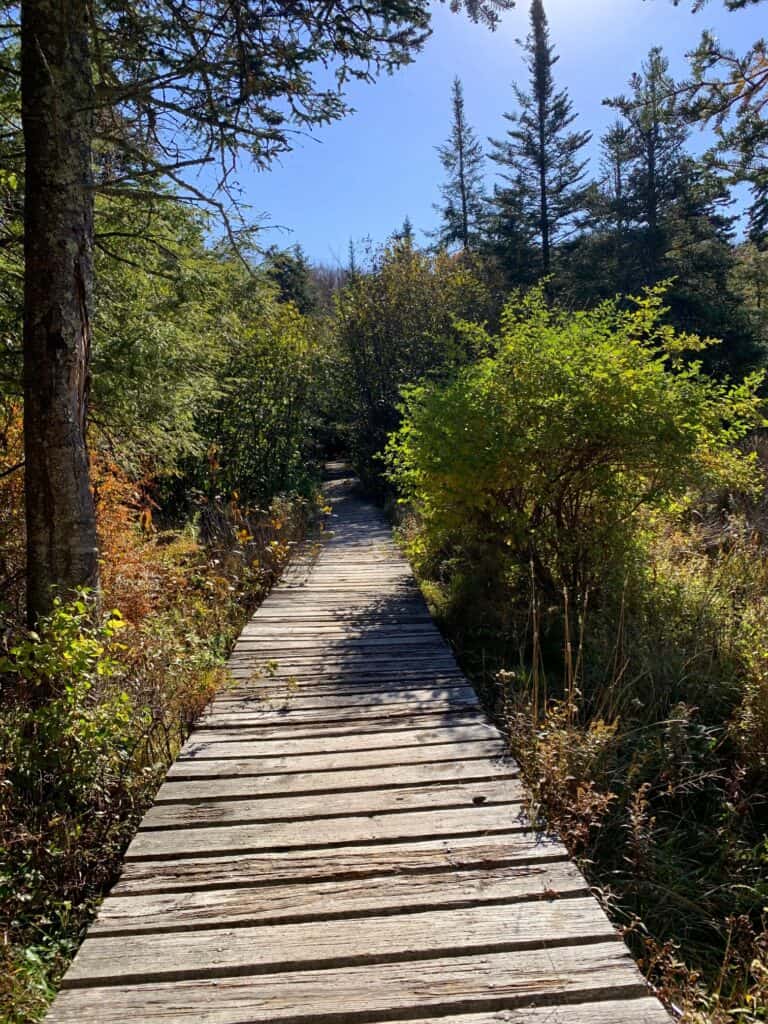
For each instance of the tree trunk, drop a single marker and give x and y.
(546, 258)
(57, 117)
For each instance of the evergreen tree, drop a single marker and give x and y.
(659, 213)
(539, 155)
(602, 261)
(290, 271)
(405, 233)
(509, 239)
(701, 258)
(617, 153)
(728, 90)
(656, 142)
(463, 194)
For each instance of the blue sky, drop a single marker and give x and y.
(363, 175)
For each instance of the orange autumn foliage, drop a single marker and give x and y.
(137, 576)
(12, 555)
(134, 576)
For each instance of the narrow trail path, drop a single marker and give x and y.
(341, 839)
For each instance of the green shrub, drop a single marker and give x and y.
(66, 739)
(68, 731)
(542, 455)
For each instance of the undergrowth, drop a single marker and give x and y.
(78, 769)
(642, 742)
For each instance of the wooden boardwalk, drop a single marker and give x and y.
(341, 839)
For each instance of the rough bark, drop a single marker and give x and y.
(57, 112)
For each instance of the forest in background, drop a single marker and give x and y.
(577, 470)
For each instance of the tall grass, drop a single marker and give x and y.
(640, 720)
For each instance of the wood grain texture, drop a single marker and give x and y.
(283, 725)
(346, 781)
(314, 731)
(319, 696)
(335, 687)
(468, 820)
(222, 764)
(393, 859)
(267, 949)
(255, 807)
(321, 900)
(206, 742)
(459, 984)
(287, 716)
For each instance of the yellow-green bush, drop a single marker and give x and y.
(545, 451)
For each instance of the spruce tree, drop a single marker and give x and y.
(617, 154)
(672, 217)
(611, 245)
(509, 238)
(658, 131)
(462, 193)
(539, 155)
(290, 271)
(405, 234)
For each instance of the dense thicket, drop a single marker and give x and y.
(395, 323)
(586, 508)
(652, 211)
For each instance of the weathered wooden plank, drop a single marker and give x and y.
(199, 768)
(359, 606)
(445, 707)
(293, 866)
(296, 668)
(364, 646)
(326, 654)
(367, 636)
(360, 590)
(203, 812)
(322, 688)
(395, 580)
(352, 708)
(438, 658)
(277, 632)
(288, 728)
(215, 743)
(378, 596)
(384, 565)
(293, 695)
(222, 952)
(322, 900)
(508, 985)
(625, 1011)
(470, 820)
(302, 783)
(340, 618)
(399, 716)
(255, 674)
(335, 633)
(233, 700)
